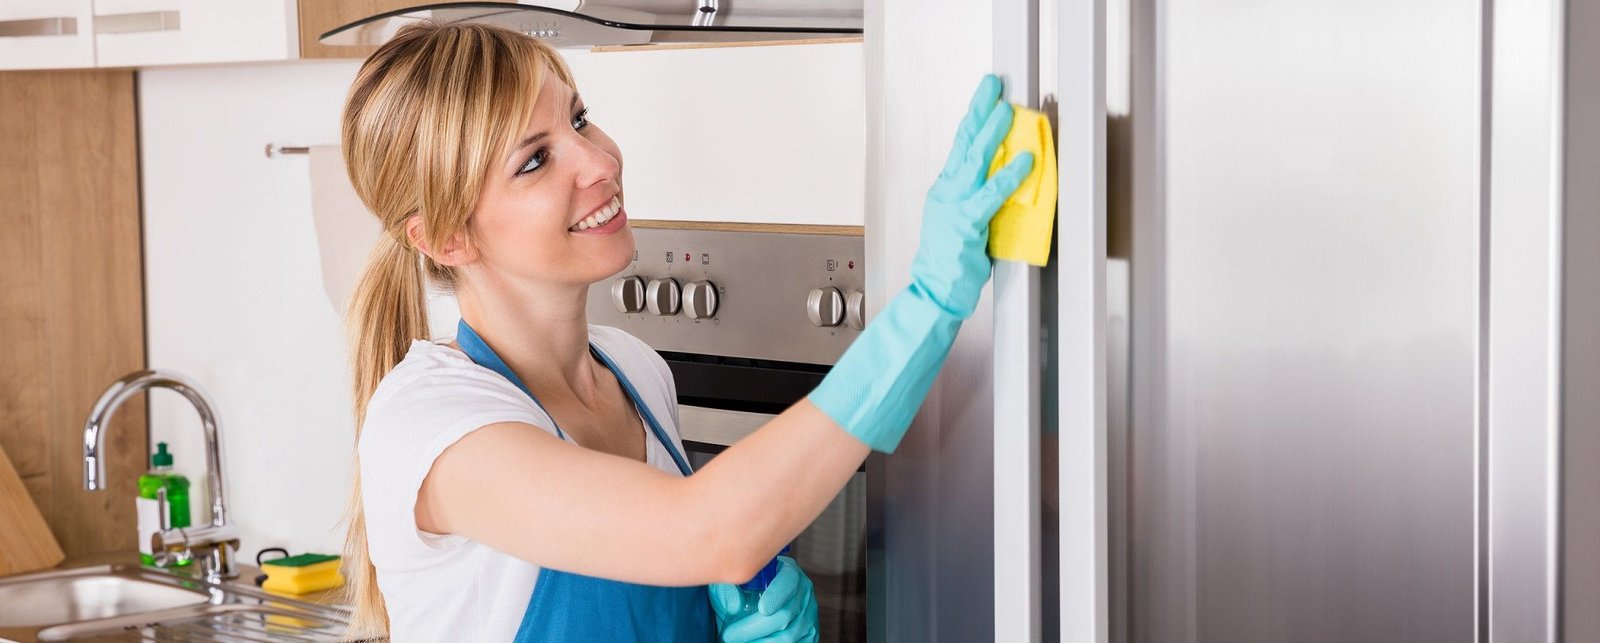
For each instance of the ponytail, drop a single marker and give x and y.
(387, 312)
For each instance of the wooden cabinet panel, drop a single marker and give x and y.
(71, 296)
(319, 16)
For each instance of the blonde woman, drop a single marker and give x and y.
(526, 480)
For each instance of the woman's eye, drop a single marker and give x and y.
(535, 162)
(579, 121)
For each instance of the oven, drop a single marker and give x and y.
(750, 317)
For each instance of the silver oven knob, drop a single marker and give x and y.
(825, 307)
(855, 309)
(700, 299)
(627, 294)
(662, 296)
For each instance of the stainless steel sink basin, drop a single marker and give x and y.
(127, 602)
(80, 595)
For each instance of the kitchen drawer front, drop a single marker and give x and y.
(46, 34)
(133, 33)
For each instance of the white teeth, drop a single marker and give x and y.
(599, 218)
(609, 211)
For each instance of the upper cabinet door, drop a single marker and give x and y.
(46, 34)
(129, 33)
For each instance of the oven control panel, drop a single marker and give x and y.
(758, 292)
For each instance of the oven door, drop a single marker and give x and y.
(721, 400)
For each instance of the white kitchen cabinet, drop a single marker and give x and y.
(130, 33)
(46, 34)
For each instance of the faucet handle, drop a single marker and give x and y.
(217, 558)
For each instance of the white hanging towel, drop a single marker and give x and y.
(345, 229)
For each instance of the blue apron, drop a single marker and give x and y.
(573, 607)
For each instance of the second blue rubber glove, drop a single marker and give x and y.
(786, 613)
(876, 387)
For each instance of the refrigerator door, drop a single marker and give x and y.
(1344, 339)
(1306, 448)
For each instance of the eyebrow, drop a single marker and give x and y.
(540, 136)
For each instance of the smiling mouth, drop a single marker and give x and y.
(600, 217)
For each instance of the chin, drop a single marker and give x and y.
(617, 256)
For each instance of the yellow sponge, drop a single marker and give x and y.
(302, 574)
(1021, 230)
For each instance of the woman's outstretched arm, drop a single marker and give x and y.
(522, 491)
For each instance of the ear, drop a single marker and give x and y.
(456, 250)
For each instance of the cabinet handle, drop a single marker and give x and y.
(38, 27)
(141, 22)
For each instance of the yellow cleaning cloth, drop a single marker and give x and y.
(1021, 230)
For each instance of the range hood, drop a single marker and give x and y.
(587, 23)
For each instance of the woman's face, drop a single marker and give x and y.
(542, 215)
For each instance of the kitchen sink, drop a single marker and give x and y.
(85, 594)
(129, 602)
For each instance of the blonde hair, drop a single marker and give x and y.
(426, 118)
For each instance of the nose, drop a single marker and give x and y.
(593, 163)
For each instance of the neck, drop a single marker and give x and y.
(542, 334)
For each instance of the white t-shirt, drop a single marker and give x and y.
(445, 587)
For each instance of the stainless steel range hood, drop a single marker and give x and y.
(586, 23)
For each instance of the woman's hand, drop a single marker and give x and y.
(952, 261)
(787, 612)
(875, 388)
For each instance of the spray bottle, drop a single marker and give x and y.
(750, 591)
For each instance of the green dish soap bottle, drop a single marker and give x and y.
(158, 478)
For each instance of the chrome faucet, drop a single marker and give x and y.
(215, 544)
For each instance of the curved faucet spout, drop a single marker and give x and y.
(134, 383)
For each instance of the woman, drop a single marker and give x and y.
(526, 479)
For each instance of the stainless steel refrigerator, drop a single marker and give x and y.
(1360, 337)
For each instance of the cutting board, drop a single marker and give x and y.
(26, 543)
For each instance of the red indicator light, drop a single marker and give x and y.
(685, 256)
(852, 265)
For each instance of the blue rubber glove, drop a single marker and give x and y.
(879, 383)
(787, 612)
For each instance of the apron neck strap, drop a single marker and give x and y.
(480, 353)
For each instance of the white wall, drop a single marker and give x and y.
(233, 293)
(234, 297)
(762, 134)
